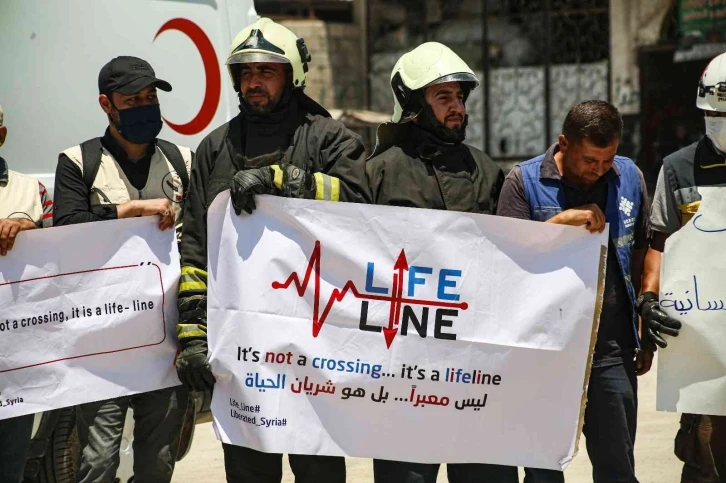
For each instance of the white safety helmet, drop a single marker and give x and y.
(267, 41)
(712, 86)
(428, 64)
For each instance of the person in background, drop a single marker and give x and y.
(701, 440)
(24, 205)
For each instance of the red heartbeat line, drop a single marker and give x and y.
(396, 299)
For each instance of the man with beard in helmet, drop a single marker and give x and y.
(701, 440)
(282, 143)
(420, 161)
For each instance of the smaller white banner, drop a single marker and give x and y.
(692, 369)
(88, 313)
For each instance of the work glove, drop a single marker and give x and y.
(281, 180)
(246, 184)
(295, 183)
(191, 362)
(655, 321)
(192, 366)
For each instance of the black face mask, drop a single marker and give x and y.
(140, 124)
(427, 121)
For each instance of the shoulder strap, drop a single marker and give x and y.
(91, 154)
(172, 153)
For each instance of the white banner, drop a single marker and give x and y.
(398, 333)
(88, 313)
(692, 369)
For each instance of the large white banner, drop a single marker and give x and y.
(88, 312)
(692, 369)
(398, 333)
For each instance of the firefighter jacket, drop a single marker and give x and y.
(302, 134)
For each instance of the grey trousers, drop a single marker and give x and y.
(14, 445)
(158, 418)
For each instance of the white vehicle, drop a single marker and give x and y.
(52, 51)
(50, 56)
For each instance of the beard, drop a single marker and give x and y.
(263, 104)
(454, 135)
(114, 119)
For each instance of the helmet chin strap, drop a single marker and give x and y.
(428, 122)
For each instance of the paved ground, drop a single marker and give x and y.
(655, 462)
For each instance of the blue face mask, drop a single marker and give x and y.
(141, 124)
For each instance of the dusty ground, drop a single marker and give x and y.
(655, 462)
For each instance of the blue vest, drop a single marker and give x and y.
(547, 197)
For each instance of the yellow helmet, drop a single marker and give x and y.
(267, 41)
(428, 64)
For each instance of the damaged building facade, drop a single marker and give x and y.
(535, 58)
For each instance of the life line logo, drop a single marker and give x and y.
(405, 312)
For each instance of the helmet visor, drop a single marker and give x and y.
(457, 77)
(249, 57)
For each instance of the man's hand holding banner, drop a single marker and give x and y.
(88, 313)
(402, 334)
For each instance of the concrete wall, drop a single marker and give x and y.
(336, 77)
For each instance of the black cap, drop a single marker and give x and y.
(128, 75)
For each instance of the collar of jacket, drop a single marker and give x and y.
(409, 134)
(709, 167)
(428, 145)
(3, 171)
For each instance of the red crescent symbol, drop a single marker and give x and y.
(213, 78)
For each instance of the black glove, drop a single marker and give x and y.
(192, 366)
(296, 182)
(655, 321)
(250, 182)
(281, 180)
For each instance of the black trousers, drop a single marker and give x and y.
(245, 465)
(14, 444)
(385, 471)
(610, 423)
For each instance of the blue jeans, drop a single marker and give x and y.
(14, 445)
(385, 471)
(610, 421)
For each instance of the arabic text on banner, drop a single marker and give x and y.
(88, 313)
(692, 369)
(398, 333)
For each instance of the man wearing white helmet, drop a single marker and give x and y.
(24, 205)
(701, 440)
(420, 161)
(281, 143)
